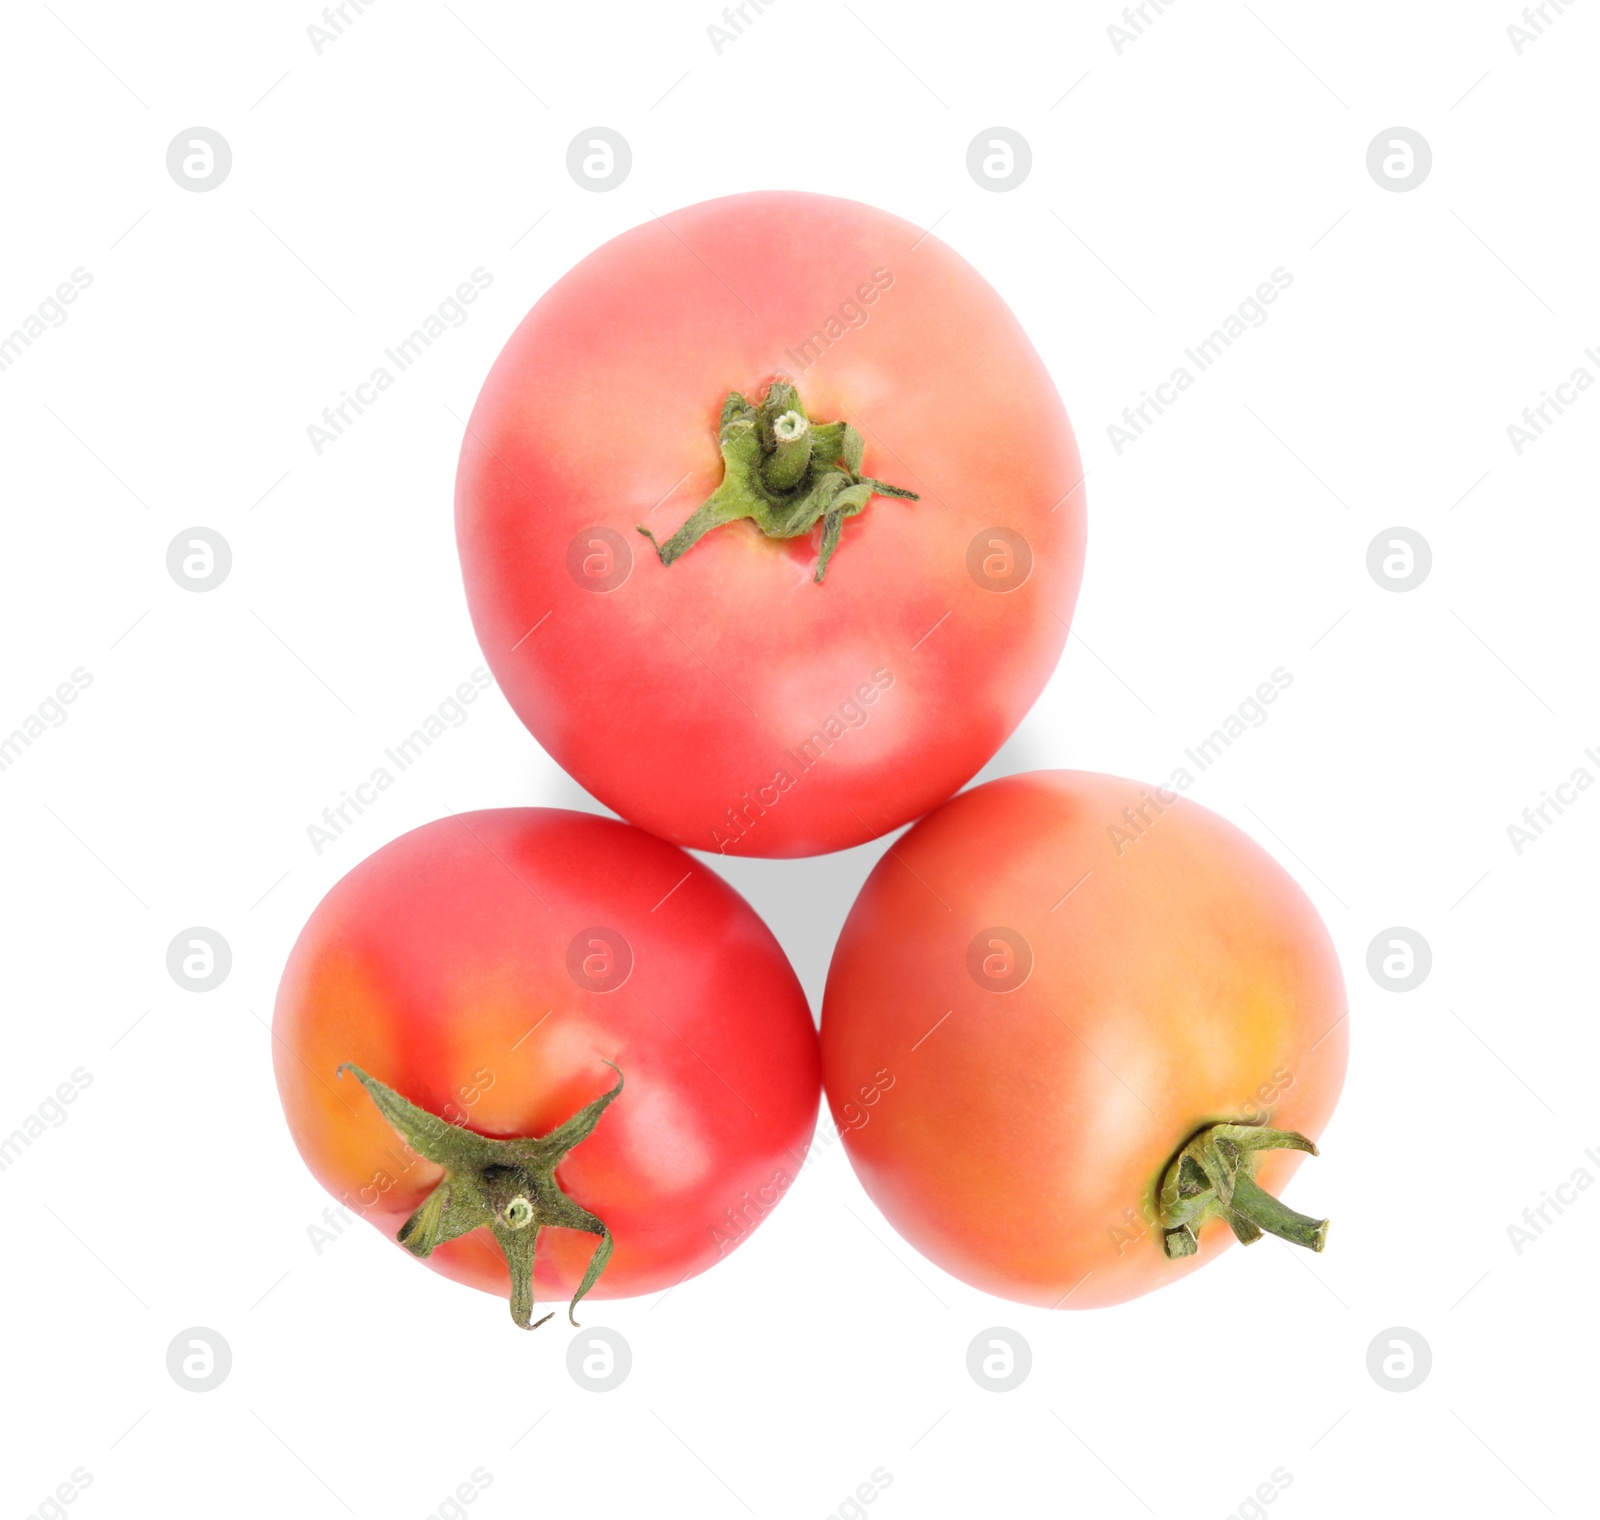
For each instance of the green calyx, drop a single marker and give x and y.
(508, 1186)
(1213, 1176)
(785, 473)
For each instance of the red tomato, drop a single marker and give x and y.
(729, 700)
(497, 971)
(1044, 991)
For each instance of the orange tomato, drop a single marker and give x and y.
(1043, 991)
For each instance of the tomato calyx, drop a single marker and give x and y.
(507, 1186)
(1213, 1176)
(785, 473)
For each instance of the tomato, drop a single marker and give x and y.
(810, 661)
(495, 976)
(1044, 993)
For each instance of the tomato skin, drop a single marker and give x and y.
(682, 697)
(440, 965)
(1178, 978)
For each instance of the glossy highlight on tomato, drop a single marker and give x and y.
(505, 973)
(1043, 994)
(809, 661)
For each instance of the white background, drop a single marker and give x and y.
(1168, 180)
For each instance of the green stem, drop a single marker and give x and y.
(1213, 1177)
(790, 459)
(1261, 1209)
(505, 1186)
(785, 473)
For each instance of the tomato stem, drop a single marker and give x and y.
(786, 466)
(1213, 1176)
(506, 1186)
(785, 473)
